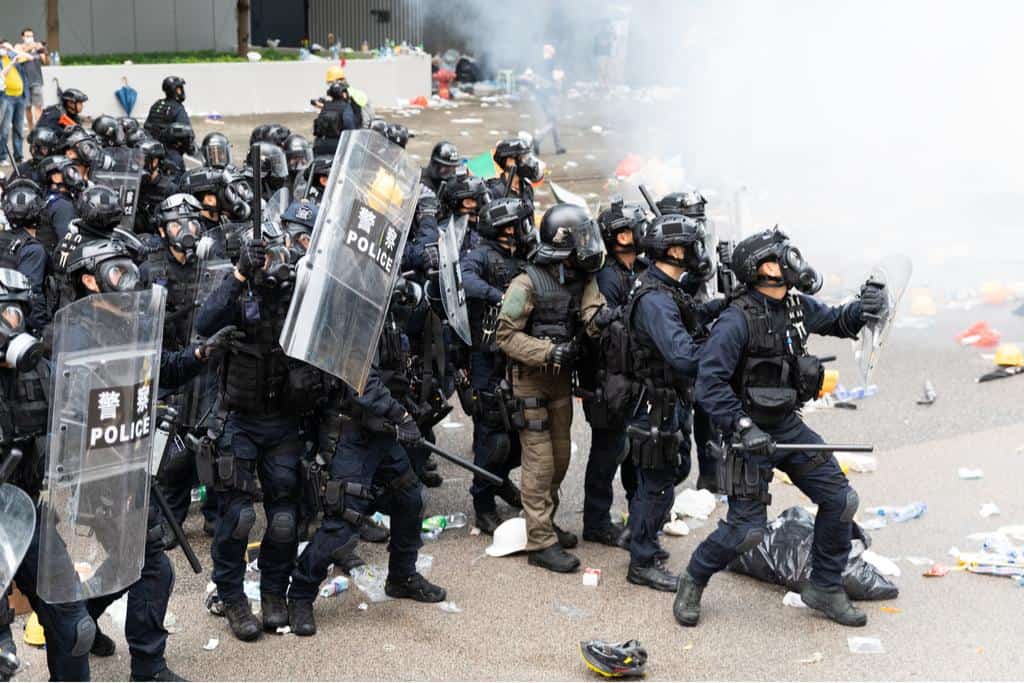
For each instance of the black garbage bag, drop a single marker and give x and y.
(783, 557)
(467, 71)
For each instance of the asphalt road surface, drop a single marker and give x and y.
(521, 622)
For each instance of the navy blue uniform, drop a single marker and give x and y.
(58, 213)
(818, 477)
(368, 470)
(30, 259)
(657, 326)
(608, 447)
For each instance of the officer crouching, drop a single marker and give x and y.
(755, 373)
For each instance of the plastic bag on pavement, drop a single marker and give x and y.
(783, 557)
(694, 503)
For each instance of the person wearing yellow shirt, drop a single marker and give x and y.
(12, 103)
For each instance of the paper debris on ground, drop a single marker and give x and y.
(694, 503)
(792, 599)
(676, 527)
(865, 645)
(211, 644)
(969, 473)
(813, 659)
(988, 510)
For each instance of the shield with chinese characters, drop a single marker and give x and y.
(121, 171)
(343, 284)
(95, 502)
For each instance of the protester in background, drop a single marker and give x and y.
(12, 109)
(547, 82)
(32, 74)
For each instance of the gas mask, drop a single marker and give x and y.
(183, 237)
(530, 168)
(18, 349)
(796, 272)
(697, 261)
(117, 275)
(279, 271)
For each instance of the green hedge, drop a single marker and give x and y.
(185, 57)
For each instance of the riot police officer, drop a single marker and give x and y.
(263, 394)
(506, 236)
(339, 113)
(42, 143)
(216, 150)
(543, 312)
(24, 388)
(299, 153)
(664, 325)
(362, 441)
(134, 134)
(109, 131)
(154, 186)
(519, 168)
(621, 225)
(179, 140)
(444, 159)
(66, 113)
(463, 195)
(169, 110)
(62, 183)
(755, 373)
(20, 249)
(298, 221)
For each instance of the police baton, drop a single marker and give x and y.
(820, 447)
(650, 201)
(257, 191)
(451, 457)
(176, 529)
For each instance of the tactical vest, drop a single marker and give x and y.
(393, 359)
(11, 242)
(24, 407)
(161, 115)
(45, 232)
(775, 375)
(181, 282)
(257, 378)
(329, 123)
(499, 269)
(556, 306)
(648, 366)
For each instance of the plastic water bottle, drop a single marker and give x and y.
(339, 584)
(456, 521)
(899, 514)
(55, 58)
(199, 494)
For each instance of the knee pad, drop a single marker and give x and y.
(246, 518)
(282, 527)
(850, 507)
(750, 541)
(342, 552)
(85, 634)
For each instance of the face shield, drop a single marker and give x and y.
(117, 275)
(588, 247)
(217, 154)
(279, 269)
(72, 179)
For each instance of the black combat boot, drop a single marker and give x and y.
(102, 645)
(834, 604)
(414, 587)
(686, 608)
(607, 536)
(653, 575)
(554, 559)
(300, 616)
(566, 539)
(487, 522)
(243, 622)
(164, 674)
(372, 532)
(275, 612)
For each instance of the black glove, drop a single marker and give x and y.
(873, 301)
(220, 342)
(407, 431)
(604, 317)
(563, 354)
(252, 258)
(753, 439)
(431, 257)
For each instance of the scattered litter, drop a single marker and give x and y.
(968, 473)
(432, 527)
(464, 133)
(284, 630)
(494, 132)
(813, 659)
(570, 611)
(861, 645)
(920, 561)
(449, 607)
(252, 590)
(170, 623)
(591, 577)
(936, 570)
(475, 531)
(988, 510)
(857, 462)
(694, 503)
(873, 524)
(979, 335)
(843, 395)
(676, 527)
(380, 519)
(363, 606)
(211, 645)
(687, 647)
(388, 647)
(929, 395)
(469, 120)
(884, 565)
(792, 599)
(571, 164)
(898, 514)
(339, 584)
(1000, 373)
(890, 610)
(214, 605)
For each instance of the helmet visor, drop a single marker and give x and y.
(588, 246)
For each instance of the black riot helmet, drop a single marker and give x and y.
(337, 90)
(528, 166)
(134, 135)
(298, 152)
(297, 221)
(18, 348)
(71, 179)
(621, 217)
(276, 134)
(22, 203)
(671, 230)
(72, 96)
(774, 245)
(153, 152)
(99, 209)
(174, 88)
(180, 136)
(379, 126)
(43, 141)
(216, 150)
(567, 232)
(464, 194)
(112, 260)
(689, 204)
(107, 129)
(72, 135)
(398, 134)
(258, 134)
(496, 217)
(178, 218)
(444, 159)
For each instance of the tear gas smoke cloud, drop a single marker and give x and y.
(862, 128)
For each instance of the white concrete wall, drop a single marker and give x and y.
(241, 88)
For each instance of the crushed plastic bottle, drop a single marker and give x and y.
(339, 584)
(899, 514)
(432, 527)
(199, 494)
(860, 645)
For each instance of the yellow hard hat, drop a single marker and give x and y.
(34, 632)
(1009, 356)
(335, 73)
(830, 382)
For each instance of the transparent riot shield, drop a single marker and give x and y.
(453, 296)
(709, 289)
(95, 502)
(343, 284)
(17, 524)
(123, 176)
(893, 272)
(564, 196)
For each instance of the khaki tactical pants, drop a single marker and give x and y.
(546, 449)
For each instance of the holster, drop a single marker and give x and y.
(654, 449)
(333, 494)
(739, 476)
(516, 409)
(221, 471)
